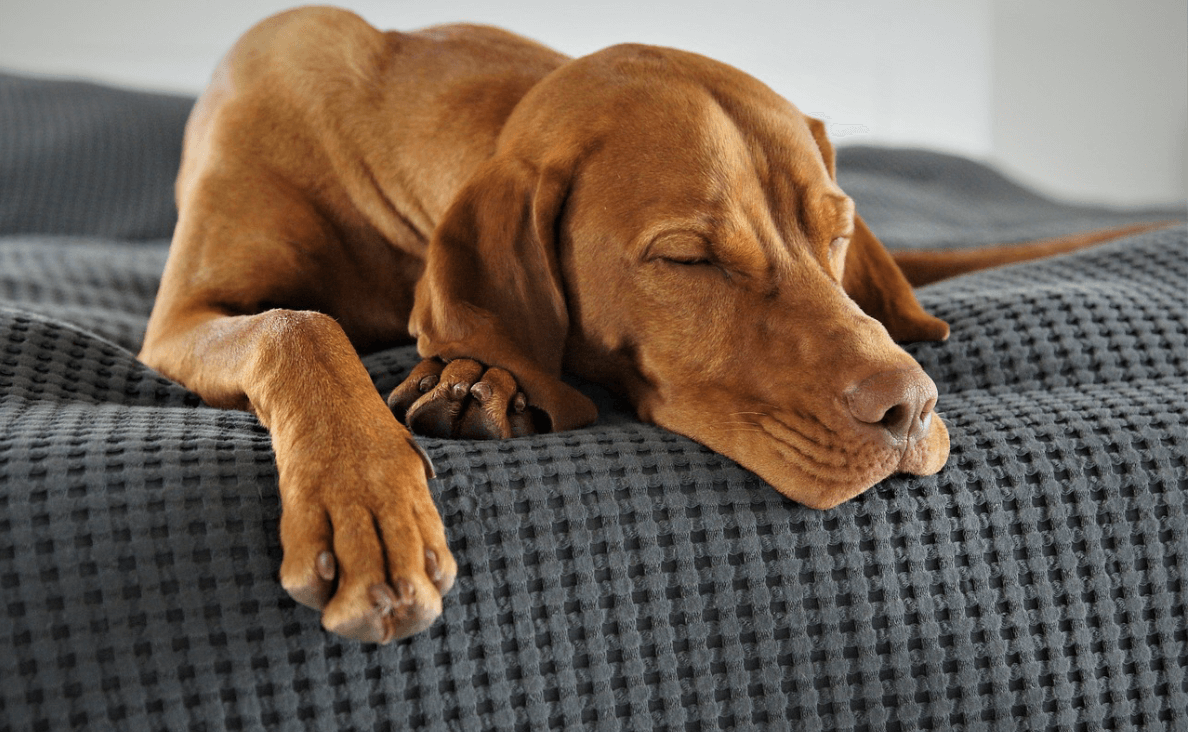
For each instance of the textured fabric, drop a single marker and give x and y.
(618, 576)
(935, 201)
(80, 158)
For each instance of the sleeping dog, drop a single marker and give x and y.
(646, 218)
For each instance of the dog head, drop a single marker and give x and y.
(668, 225)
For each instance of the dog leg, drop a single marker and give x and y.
(362, 538)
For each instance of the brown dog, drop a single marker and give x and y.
(646, 218)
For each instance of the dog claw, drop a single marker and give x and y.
(385, 599)
(433, 569)
(423, 379)
(482, 391)
(426, 461)
(326, 567)
(406, 593)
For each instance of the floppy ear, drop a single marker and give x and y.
(873, 279)
(492, 288)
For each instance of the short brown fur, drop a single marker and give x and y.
(647, 218)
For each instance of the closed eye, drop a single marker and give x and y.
(687, 261)
(696, 265)
(681, 246)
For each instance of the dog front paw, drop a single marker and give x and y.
(364, 543)
(463, 398)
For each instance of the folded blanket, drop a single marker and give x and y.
(612, 577)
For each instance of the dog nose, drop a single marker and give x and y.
(898, 402)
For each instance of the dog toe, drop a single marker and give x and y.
(392, 567)
(488, 416)
(463, 399)
(309, 569)
(437, 412)
(420, 381)
(367, 547)
(381, 613)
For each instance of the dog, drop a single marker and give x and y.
(645, 218)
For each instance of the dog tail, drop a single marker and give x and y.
(925, 267)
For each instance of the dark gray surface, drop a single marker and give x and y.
(80, 158)
(614, 577)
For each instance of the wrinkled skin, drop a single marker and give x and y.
(702, 247)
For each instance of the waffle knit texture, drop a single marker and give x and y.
(612, 577)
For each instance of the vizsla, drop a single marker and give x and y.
(645, 218)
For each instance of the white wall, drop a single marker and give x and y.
(1090, 97)
(948, 75)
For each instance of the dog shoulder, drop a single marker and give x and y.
(306, 50)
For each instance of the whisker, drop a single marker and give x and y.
(739, 423)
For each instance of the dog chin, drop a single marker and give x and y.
(813, 484)
(929, 455)
(814, 490)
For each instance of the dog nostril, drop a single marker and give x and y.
(900, 402)
(894, 420)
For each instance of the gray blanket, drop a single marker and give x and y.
(613, 577)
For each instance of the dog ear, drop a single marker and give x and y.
(492, 288)
(817, 127)
(873, 279)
